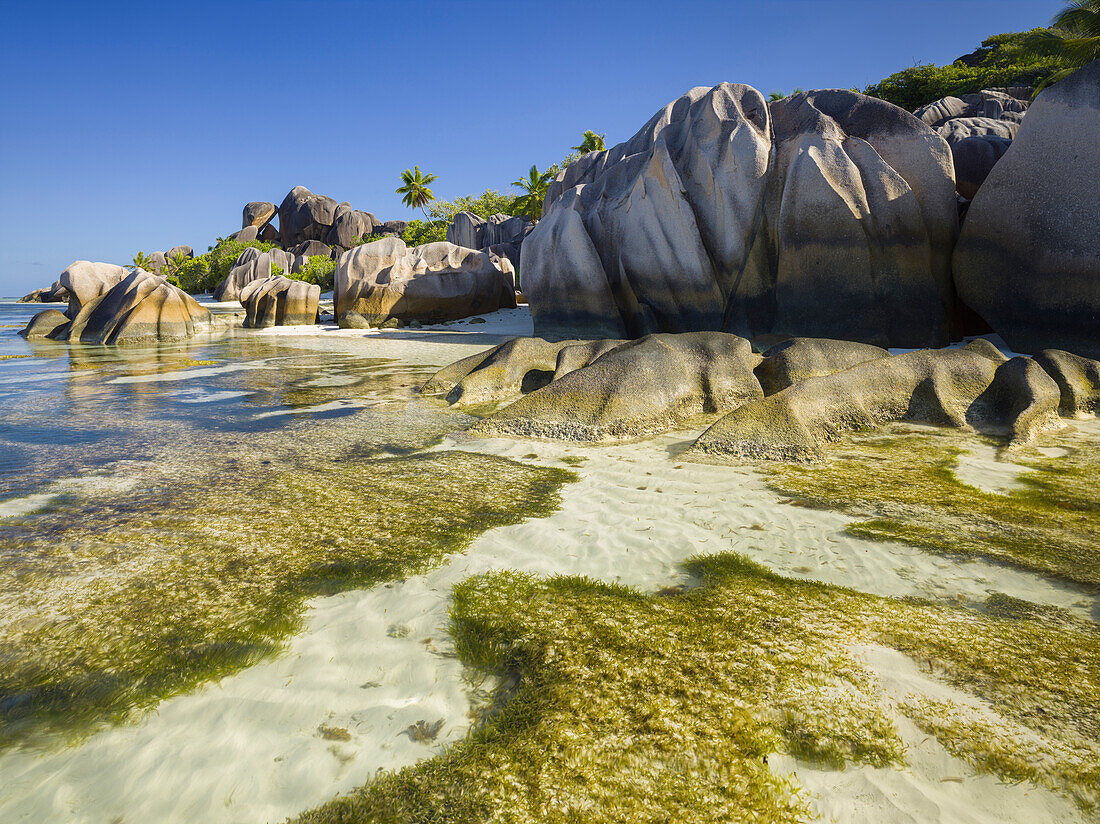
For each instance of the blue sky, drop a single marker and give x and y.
(139, 126)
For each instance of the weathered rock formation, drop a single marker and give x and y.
(48, 294)
(974, 158)
(993, 103)
(305, 216)
(258, 213)
(349, 225)
(139, 308)
(961, 128)
(430, 283)
(1028, 258)
(251, 264)
(85, 281)
(971, 387)
(280, 301)
(501, 234)
(186, 251)
(310, 248)
(784, 405)
(840, 226)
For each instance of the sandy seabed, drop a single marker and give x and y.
(336, 706)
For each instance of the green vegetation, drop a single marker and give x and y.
(142, 261)
(590, 142)
(205, 272)
(906, 486)
(414, 189)
(1029, 58)
(488, 203)
(421, 231)
(319, 269)
(616, 706)
(188, 582)
(1075, 35)
(534, 187)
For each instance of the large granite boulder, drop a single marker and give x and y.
(175, 251)
(85, 281)
(269, 234)
(630, 389)
(258, 213)
(246, 235)
(974, 158)
(466, 229)
(251, 264)
(47, 294)
(391, 227)
(280, 301)
(141, 307)
(349, 225)
(973, 387)
(841, 226)
(434, 282)
(310, 248)
(960, 128)
(1028, 258)
(305, 216)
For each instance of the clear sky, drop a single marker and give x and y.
(139, 126)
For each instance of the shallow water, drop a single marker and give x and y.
(85, 428)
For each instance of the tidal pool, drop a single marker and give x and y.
(243, 575)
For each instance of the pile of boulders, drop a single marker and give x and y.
(979, 128)
(501, 235)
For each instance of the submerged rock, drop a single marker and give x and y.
(1028, 258)
(44, 324)
(839, 226)
(430, 283)
(280, 301)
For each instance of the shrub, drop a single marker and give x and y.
(320, 270)
(421, 231)
(1015, 59)
(205, 272)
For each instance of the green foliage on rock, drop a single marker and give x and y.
(1015, 59)
(319, 269)
(424, 231)
(485, 205)
(203, 273)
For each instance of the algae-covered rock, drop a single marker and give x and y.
(946, 387)
(45, 324)
(518, 365)
(639, 388)
(797, 359)
(1078, 379)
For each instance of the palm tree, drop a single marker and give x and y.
(590, 142)
(415, 192)
(142, 261)
(776, 95)
(1074, 35)
(534, 185)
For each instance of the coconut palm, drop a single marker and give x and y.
(415, 192)
(776, 95)
(590, 142)
(1074, 35)
(142, 261)
(534, 185)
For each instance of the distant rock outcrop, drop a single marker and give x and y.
(1028, 258)
(960, 128)
(434, 282)
(501, 234)
(258, 213)
(280, 301)
(305, 216)
(829, 214)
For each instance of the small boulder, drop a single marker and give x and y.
(186, 251)
(311, 248)
(247, 234)
(258, 213)
(269, 234)
(798, 359)
(251, 264)
(280, 301)
(45, 324)
(963, 127)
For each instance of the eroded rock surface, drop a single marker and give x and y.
(279, 301)
(1028, 258)
(251, 264)
(141, 307)
(842, 227)
(429, 283)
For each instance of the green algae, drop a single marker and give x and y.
(619, 706)
(904, 485)
(113, 604)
